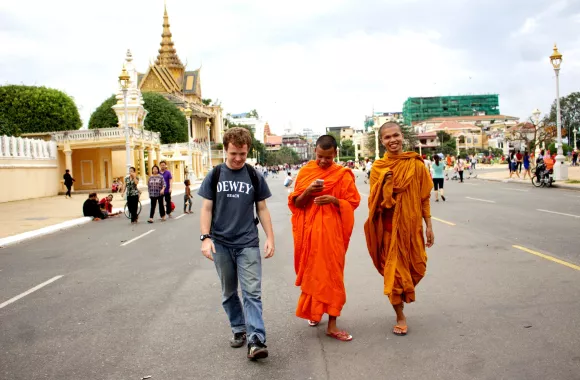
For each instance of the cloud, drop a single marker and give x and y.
(305, 64)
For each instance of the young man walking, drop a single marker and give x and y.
(229, 237)
(322, 205)
(398, 203)
(168, 178)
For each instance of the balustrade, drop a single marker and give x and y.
(26, 149)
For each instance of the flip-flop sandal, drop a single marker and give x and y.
(340, 335)
(403, 329)
(313, 323)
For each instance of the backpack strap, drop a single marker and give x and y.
(215, 177)
(256, 185)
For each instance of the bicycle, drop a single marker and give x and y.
(126, 209)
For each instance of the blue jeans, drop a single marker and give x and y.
(245, 265)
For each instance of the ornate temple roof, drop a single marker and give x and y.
(167, 53)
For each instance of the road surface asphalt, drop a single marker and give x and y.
(485, 310)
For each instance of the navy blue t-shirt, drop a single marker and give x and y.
(233, 223)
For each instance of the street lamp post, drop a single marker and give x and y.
(376, 128)
(338, 152)
(457, 145)
(575, 139)
(208, 126)
(560, 170)
(124, 81)
(188, 113)
(420, 145)
(536, 115)
(224, 149)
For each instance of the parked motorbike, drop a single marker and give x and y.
(541, 176)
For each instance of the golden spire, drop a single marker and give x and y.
(167, 54)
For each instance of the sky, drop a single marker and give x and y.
(304, 63)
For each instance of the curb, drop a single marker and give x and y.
(555, 185)
(15, 239)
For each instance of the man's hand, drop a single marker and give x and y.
(430, 237)
(314, 188)
(325, 199)
(269, 248)
(207, 248)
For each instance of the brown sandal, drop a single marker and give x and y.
(403, 329)
(340, 335)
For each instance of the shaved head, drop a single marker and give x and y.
(389, 124)
(326, 142)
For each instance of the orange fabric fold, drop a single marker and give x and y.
(394, 228)
(321, 238)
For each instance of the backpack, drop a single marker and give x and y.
(215, 176)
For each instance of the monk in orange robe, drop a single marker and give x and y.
(322, 205)
(399, 200)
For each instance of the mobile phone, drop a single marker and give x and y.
(320, 182)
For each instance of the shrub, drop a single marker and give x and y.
(31, 109)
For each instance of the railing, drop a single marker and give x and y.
(183, 146)
(105, 134)
(27, 149)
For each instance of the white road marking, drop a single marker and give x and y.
(364, 195)
(481, 200)
(180, 216)
(138, 237)
(512, 189)
(559, 213)
(14, 299)
(470, 184)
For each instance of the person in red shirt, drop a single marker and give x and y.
(106, 205)
(519, 160)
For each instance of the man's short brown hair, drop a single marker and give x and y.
(238, 136)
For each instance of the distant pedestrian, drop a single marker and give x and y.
(460, 166)
(131, 187)
(519, 161)
(168, 187)
(513, 165)
(427, 163)
(438, 177)
(187, 197)
(526, 162)
(575, 158)
(156, 188)
(68, 182)
(473, 162)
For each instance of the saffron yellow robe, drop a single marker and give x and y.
(321, 238)
(394, 229)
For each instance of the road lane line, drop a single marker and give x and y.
(470, 184)
(14, 299)
(547, 257)
(138, 237)
(442, 221)
(512, 189)
(363, 194)
(180, 216)
(481, 200)
(559, 213)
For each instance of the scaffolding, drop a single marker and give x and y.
(419, 109)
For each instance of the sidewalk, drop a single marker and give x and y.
(29, 215)
(503, 176)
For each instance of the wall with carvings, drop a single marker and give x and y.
(28, 168)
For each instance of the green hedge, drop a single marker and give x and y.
(163, 117)
(31, 109)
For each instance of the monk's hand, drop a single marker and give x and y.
(325, 199)
(389, 174)
(269, 248)
(207, 248)
(314, 188)
(430, 237)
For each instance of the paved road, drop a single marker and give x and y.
(485, 310)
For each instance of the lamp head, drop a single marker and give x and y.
(556, 58)
(124, 78)
(208, 123)
(187, 112)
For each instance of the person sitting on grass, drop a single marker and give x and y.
(92, 209)
(107, 206)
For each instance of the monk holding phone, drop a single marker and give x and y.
(322, 206)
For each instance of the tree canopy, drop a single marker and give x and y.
(163, 117)
(570, 113)
(32, 109)
(285, 155)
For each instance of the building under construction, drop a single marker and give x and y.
(418, 109)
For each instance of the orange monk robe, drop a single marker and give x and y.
(321, 238)
(394, 229)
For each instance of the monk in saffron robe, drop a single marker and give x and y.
(322, 205)
(398, 201)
